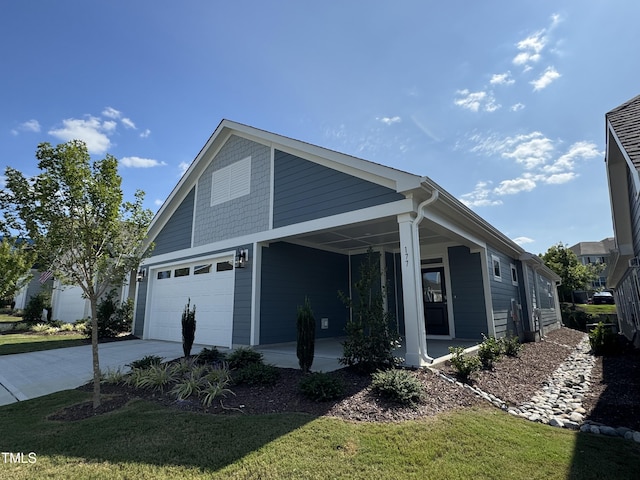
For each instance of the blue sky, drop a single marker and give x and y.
(500, 102)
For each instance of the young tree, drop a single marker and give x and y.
(16, 260)
(574, 275)
(82, 230)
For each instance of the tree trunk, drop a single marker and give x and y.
(94, 352)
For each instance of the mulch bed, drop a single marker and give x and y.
(514, 380)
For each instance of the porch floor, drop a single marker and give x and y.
(329, 350)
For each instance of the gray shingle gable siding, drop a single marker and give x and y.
(176, 234)
(239, 216)
(304, 190)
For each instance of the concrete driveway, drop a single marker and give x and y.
(29, 375)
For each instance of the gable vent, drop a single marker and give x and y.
(232, 181)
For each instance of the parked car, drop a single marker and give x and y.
(600, 298)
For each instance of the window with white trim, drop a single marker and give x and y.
(514, 275)
(495, 263)
(232, 181)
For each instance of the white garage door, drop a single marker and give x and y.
(209, 284)
(68, 304)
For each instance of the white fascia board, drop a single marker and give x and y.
(342, 219)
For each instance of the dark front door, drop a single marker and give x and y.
(434, 294)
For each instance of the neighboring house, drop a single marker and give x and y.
(595, 253)
(259, 221)
(623, 161)
(31, 289)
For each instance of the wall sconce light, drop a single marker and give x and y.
(242, 257)
(140, 275)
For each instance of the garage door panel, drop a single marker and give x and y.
(212, 295)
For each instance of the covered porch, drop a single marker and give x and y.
(329, 350)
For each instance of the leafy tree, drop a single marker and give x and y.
(16, 260)
(83, 232)
(574, 275)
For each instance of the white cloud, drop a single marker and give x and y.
(90, 130)
(3, 181)
(502, 79)
(110, 112)
(127, 122)
(517, 107)
(559, 178)
(532, 150)
(577, 151)
(480, 197)
(390, 120)
(544, 80)
(146, 133)
(28, 126)
(523, 240)
(530, 48)
(517, 185)
(158, 202)
(475, 101)
(183, 167)
(137, 162)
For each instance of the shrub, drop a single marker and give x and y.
(37, 303)
(145, 362)
(256, 374)
(213, 391)
(42, 328)
(464, 365)
(156, 377)
(113, 320)
(243, 356)
(211, 355)
(511, 346)
(399, 385)
(189, 385)
(306, 328)
(113, 377)
(67, 327)
(183, 366)
(188, 328)
(370, 341)
(602, 339)
(321, 387)
(489, 350)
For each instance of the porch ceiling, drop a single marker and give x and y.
(382, 232)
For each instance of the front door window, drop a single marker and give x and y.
(434, 295)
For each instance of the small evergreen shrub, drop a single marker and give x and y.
(320, 387)
(489, 351)
(40, 328)
(464, 365)
(188, 328)
(36, 304)
(156, 377)
(145, 362)
(113, 320)
(511, 346)
(211, 356)
(189, 385)
(67, 327)
(113, 377)
(602, 339)
(399, 385)
(306, 329)
(256, 374)
(243, 356)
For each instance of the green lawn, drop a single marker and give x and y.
(4, 318)
(597, 309)
(11, 343)
(145, 440)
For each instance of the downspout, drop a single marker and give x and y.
(416, 255)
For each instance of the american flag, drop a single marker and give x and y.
(44, 276)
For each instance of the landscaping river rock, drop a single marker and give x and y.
(559, 402)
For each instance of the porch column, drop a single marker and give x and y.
(416, 338)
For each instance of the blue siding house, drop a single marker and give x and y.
(259, 221)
